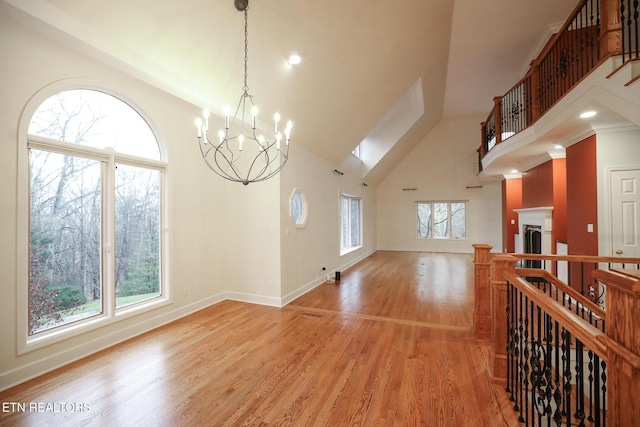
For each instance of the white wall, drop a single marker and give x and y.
(440, 167)
(250, 241)
(31, 61)
(305, 251)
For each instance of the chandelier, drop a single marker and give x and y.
(241, 152)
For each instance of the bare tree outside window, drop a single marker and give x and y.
(68, 209)
(424, 220)
(65, 237)
(351, 222)
(137, 234)
(458, 220)
(441, 220)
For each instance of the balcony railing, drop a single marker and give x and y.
(595, 31)
(562, 359)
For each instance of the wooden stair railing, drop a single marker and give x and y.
(595, 30)
(615, 347)
(556, 365)
(566, 296)
(622, 341)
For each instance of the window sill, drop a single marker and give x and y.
(62, 333)
(349, 250)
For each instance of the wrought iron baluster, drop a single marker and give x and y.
(592, 43)
(636, 30)
(596, 387)
(591, 397)
(625, 33)
(557, 395)
(510, 332)
(520, 358)
(536, 369)
(516, 350)
(537, 383)
(526, 360)
(547, 363)
(603, 364)
(566, 374)
(579, 414)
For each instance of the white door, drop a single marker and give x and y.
(625, 213)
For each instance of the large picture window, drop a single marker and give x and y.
(351, 223)
(95, 197)
(441, 220)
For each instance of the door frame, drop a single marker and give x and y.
(605, 242)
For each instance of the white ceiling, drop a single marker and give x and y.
(359, 57)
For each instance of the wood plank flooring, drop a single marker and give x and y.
(428, 288)
(390, 345)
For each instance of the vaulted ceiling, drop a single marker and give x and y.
(367, 65)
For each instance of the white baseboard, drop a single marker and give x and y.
(302, 290)
(254, 299)
(320, 280)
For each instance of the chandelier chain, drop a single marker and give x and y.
(246, 50)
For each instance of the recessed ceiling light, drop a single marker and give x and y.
(558, 146)
(587, 114)
(514, 170)
(294, 59)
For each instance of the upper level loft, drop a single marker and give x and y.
(591, 64)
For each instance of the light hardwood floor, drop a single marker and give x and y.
(390, 345)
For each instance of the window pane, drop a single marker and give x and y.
(458, 229)
(95, 119)
(355, 222)
(440, 218)
(137, 233)
(65, 239)
(296, 208)
(424, 219)
(344, 229)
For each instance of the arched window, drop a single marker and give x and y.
(95, 211)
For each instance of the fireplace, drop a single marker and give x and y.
(536, 231)
(532, 244)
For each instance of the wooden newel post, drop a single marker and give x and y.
(500, 265)
(533, 114)
(611, 28)
(482, 311)
(623, 346)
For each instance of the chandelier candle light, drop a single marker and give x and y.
(241, 153)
